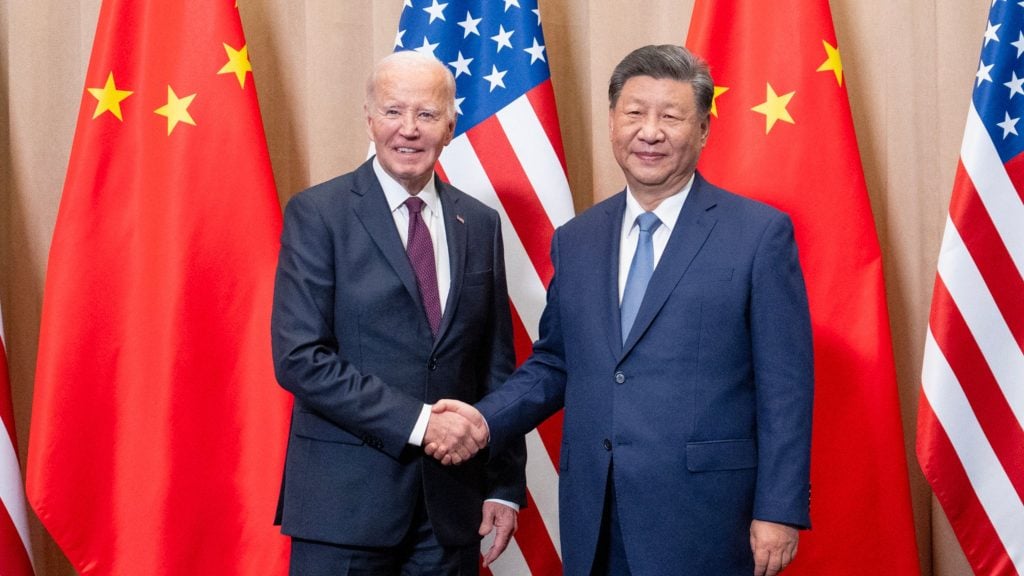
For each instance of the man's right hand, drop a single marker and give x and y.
(456, 431)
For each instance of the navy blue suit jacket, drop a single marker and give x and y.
(706, 408)
(352, 343)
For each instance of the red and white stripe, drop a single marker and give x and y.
(15, 548)
(971, 417)
(513, 163)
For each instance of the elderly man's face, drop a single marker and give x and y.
(657, 134)
(410, 122)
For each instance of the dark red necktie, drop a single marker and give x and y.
(420, 250)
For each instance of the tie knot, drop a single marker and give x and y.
(414, 205)
(648, 222)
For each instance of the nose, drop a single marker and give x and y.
(650, 129)
(408, 126)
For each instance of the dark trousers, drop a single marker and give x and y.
(419, 554)
(610, 559)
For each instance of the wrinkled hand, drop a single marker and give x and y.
(455, 432)
(774, 546)
(504, 521)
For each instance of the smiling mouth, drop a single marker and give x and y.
(403, 150)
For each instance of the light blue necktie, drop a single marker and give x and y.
(640, 271)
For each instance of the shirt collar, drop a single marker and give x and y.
(667, 211)
(397, 195)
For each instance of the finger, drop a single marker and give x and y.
(441, 406)
(430, 449)
(774, 564)
(501, 539)
(487, 524)
(760, 563)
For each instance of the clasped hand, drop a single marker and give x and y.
(455, 432)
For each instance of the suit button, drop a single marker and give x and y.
(432, 365)
(620, 378)
(607, 444)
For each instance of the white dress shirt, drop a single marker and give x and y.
(667, 211)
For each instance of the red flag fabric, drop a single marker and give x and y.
(158, 430)
(969, 431)
(15, 548)
(782, 133)
(507, 152)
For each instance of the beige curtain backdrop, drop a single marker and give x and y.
(909, 66)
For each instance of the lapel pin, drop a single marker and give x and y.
(459, 218)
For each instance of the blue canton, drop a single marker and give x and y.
(999, 85)
(495, 49)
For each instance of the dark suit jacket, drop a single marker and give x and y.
(351, 342)
(706, 409)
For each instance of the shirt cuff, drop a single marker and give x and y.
(420, 429)
(511, 505)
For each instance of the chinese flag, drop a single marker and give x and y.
(158, 431)
(782, 133)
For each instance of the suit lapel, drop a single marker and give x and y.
(691, 231)
(607, 241)
(455, 229)
(371, 207)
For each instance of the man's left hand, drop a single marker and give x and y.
(774, 546)
(504, 521)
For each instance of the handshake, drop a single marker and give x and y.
(455, 432)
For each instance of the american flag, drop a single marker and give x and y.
(507, 152)
(970, 434)
(15, 550)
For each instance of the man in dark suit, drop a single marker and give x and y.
(677, 337)
(390, 294)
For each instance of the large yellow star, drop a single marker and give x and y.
(719, 90)
(176, 110)
(833, 63)
(774, 108)
(238, 62)
(109, 98)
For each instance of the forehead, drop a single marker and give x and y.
(657, 91)
(411, 84)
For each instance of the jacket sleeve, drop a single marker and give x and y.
(537, 389)
(783, 352)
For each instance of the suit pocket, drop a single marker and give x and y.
(310, 425)
(477, 278)
(721, 455)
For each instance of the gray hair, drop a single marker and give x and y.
(668, 62)
(411, 58)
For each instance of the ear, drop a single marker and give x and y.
(369, 122)
(611, 122)
(451, 132)
(705, 130)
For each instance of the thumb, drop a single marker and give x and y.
(487, 525)
(441, 406)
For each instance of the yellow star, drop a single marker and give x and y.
(176, 110)
(238, 62)
(833, 62)
(719, 90)
(774, 108)
(109, 98)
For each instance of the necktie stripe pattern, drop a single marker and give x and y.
(640, 271)
(421, 255)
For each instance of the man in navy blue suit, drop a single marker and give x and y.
(390, 294)
(677, 337)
